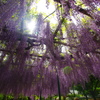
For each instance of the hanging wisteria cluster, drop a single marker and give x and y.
(49, 62)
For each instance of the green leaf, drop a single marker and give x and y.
(67, 69)
(98, 8)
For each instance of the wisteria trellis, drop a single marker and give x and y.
(30, 64)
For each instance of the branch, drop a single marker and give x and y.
(51, 13)
(96, 84)
(58, 27)
(8, 51)
(85, 12)
(64, 44)
(47, 57)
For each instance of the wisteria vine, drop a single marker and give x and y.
(50, 62)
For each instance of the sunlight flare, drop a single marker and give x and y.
(41, 7)
(31, 26)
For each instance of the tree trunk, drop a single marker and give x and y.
(84, 94)
(93, 95)
(34, 97)
(64, 97)
(40, 95)
(50, 98)
(58, 83)
(86, 97)
(4, 97)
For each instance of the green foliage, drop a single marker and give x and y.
(91, 88)
(2, 45)
(84, 21)
(1, 96)
(3, 1)
(98, 8)
(72, 95)
(15, 16)
(67, 69)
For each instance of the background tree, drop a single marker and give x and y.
(90, 88)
